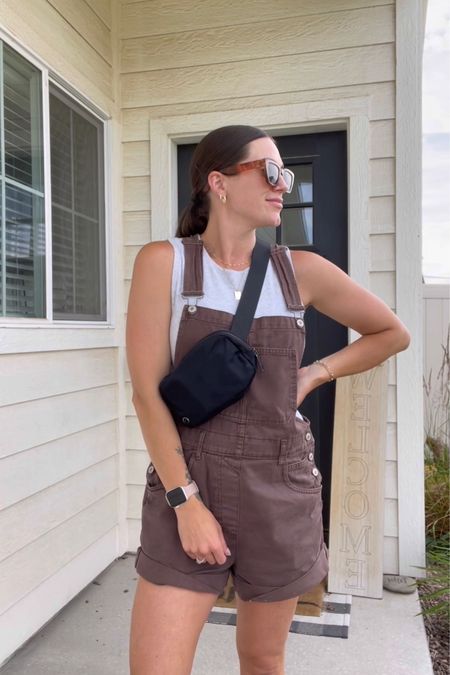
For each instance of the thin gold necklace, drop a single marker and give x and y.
(230, 265)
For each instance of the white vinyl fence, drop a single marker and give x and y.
(436, 299)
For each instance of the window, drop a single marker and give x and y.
(22, 237)
(76, 157)
(76, 190)
(297, 216)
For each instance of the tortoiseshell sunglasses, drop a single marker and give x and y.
(271, 170)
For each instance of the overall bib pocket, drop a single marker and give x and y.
(272, 396)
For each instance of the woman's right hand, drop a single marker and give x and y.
(200, 533)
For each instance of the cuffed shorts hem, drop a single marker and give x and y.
(207, 581)
(315, 574)
(210, 581)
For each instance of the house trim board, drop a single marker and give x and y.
(409, 300)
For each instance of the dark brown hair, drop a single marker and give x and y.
(218, 150)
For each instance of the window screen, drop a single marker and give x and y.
(22, 232)
(78, 247)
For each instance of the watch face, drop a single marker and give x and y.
(175, 497)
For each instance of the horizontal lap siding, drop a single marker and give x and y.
(103, 10)
(258, 40)
(182, 58)
(59, 461)
(375, 63)
(82, 18)
(37, 468)
(160, 17)
(50, 418)
(82, 369)
(382, 104)
(23, 571)
(73, 38)
(35, 517)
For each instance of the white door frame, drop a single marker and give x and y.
(351, 114)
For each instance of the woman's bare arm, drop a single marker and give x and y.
(148, 357)
(333, 293)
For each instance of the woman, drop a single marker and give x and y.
(257, 512)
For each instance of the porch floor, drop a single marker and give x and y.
(90, 636)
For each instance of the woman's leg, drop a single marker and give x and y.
(166, 623)
(261, 632)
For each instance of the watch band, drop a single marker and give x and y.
(179, 495)
(190, 489)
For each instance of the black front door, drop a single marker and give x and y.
(314, 218)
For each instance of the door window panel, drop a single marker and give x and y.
(297, 227)
(302, 192)
(268, 234)
(297, 216)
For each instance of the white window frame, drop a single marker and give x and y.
(62, 334)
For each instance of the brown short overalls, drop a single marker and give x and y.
(253, 463)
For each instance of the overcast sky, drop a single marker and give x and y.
(436, 144)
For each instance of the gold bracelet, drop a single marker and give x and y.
(322, 363)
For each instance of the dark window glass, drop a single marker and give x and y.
(22, 224)
(79, 279)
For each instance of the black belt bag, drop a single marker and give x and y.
(220, 368)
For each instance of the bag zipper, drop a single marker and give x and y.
(236, 337)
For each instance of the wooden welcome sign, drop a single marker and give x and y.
(357, 484)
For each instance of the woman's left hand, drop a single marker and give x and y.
(308, 378)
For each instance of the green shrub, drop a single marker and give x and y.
(437, 489)
(437, 492)
(438, 578)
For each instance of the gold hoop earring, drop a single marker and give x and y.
(223, 198)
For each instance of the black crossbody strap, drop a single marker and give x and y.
(252, 290)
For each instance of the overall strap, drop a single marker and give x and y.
(286, 278)
(193, 267)
(252, 290)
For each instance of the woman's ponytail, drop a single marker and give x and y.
(194, 217)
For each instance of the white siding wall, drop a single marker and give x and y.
(180, 59)
(61, 394)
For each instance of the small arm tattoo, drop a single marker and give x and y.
(187, 475)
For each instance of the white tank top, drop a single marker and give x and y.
(219, 285)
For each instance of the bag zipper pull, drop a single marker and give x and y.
(258, 358)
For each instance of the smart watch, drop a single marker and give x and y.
(180, 495)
